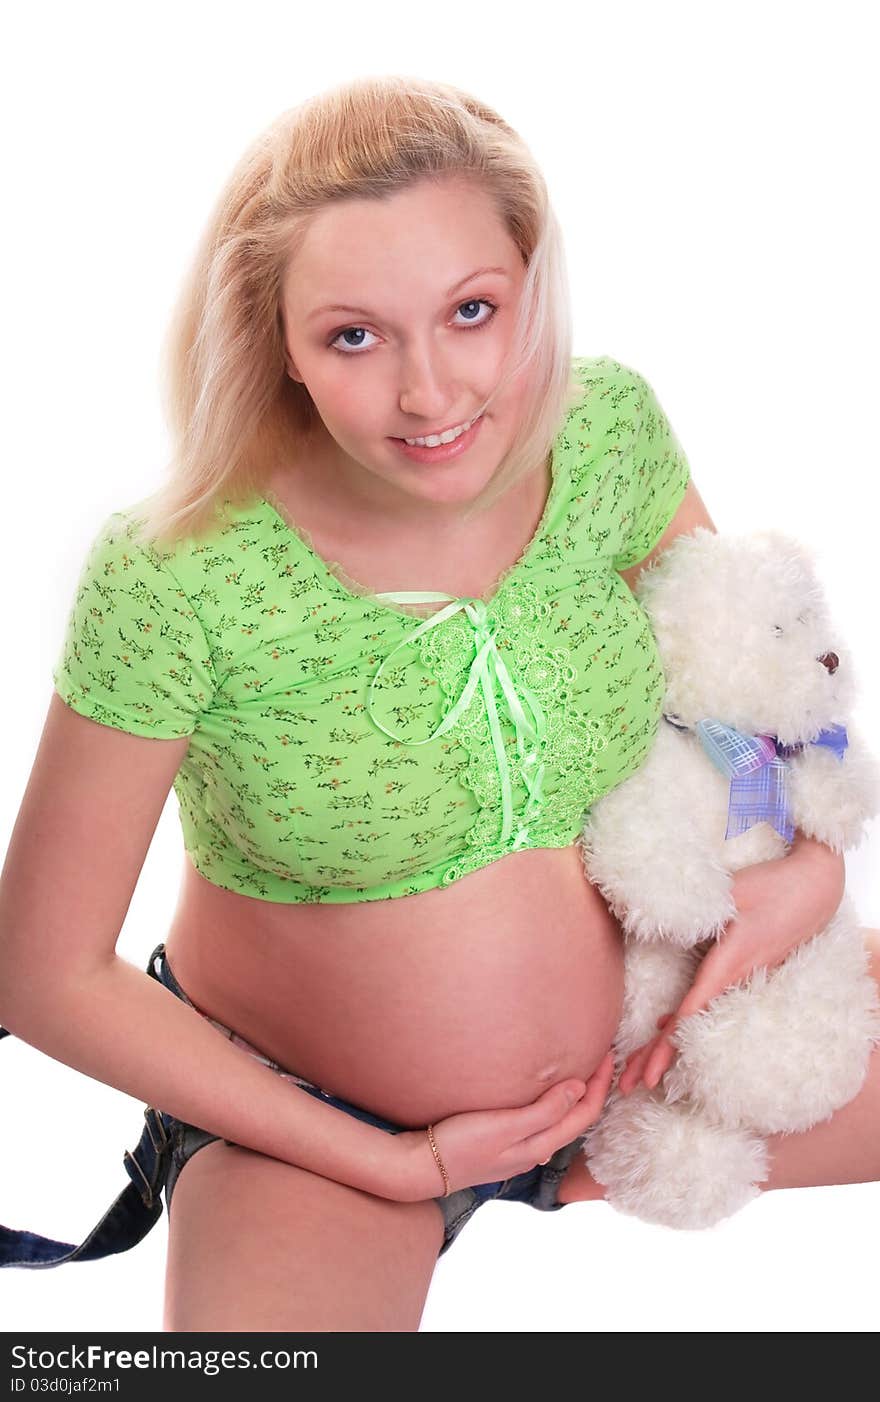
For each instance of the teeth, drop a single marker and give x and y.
(434, 439)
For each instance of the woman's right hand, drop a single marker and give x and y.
(488, 1146)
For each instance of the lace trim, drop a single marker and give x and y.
(569, 748)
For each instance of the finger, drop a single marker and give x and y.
(579, 1117)
(696, 998)
(662, 1054)
(641, 1051)
(644, 1050)
(635, 1067)
(548, 1109)
(589, 1107)
(656, 1054)
(598, 1086)
(658, 1064)
(718, 971)
(599, 1083)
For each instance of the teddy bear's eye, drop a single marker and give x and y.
(777, 630)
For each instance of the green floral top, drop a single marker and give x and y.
(343, 749)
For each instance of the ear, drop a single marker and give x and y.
(291, 368)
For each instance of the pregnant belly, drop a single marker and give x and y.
(477, 996)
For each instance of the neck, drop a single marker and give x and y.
(340, 488)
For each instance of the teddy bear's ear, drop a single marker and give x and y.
(782, 546)
(685, 557)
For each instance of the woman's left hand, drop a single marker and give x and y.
(780, 904)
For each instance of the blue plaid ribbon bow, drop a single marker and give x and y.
(758, 771)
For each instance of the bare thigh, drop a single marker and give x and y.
(257, 1244)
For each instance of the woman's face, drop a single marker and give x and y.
(394, 337)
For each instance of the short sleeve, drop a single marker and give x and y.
(134, 654)
(658, 474)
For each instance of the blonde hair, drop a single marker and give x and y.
(233, 411)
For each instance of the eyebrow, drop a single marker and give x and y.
(362, 311)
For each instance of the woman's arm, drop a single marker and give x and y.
(819, 860)
(690, 514)
(77, 848)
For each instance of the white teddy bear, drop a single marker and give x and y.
(756, 741)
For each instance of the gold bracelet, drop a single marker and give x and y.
(436, 1152)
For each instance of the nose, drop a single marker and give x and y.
(424, 387)
(831, 661)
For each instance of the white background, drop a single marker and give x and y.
(713, 169)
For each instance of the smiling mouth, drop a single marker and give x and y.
(445, 435)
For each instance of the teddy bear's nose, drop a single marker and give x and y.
(831, 661)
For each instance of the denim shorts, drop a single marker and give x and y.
(539, 1186)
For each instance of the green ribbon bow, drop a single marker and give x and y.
(487, 666)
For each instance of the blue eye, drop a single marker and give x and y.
(362, 331)
(359, 330)
(479, 302)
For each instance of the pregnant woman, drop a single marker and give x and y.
(377, 630)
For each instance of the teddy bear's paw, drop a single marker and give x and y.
(832, 800)
(656, 978)
(650, 847)
(656, 902)
(783, 1051)
(671, 1165)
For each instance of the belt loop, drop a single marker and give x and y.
(147, 1197)
(154, 1122)
(161, 1142)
